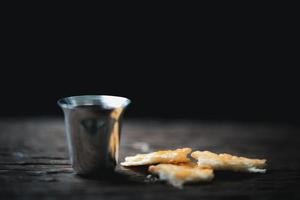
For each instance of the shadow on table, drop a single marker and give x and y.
(234, 176)
(125, 175)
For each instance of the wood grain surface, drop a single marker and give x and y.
(34, 161)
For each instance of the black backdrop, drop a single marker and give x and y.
(238, 71)
(173, 92)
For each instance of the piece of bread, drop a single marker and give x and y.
(206, 159)
(179, 174)
(168, 156)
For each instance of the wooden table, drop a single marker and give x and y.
(34, 162)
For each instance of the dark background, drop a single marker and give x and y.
(192, 67)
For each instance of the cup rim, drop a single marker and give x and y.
(106, 101)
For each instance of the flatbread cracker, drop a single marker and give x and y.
(168, 156)
(177, 175)
(206, 159)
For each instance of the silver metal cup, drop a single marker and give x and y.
(93, 127)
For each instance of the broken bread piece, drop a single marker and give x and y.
(179, 174)
(168, 156)
(206, 159)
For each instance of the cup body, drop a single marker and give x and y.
(93, 128)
